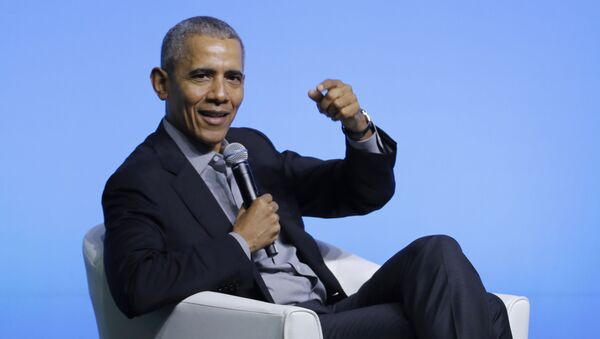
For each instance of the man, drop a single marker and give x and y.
(175, 226)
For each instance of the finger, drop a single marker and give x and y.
(328, 100)
(344, 101)
(350, 110)
(274, 218)
(335, 93)
(276, 228)
(329, 84)
(347, 112)
(275, 207)
(332, 111)
(315, 95)
(324, 105)
(266, 198)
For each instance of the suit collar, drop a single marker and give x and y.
(169, 154)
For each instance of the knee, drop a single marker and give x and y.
(436, 249)
(438, 244)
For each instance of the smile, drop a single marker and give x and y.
(213, 114)
(214, 118)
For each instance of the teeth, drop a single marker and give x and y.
(214, 115)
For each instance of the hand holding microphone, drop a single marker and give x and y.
(258, 222)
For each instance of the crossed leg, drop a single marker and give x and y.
(427, 290)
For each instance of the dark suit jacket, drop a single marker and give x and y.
(167, 238)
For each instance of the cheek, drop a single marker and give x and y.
(192, 93)
(190, 102)
(239, 97)
(192, 98)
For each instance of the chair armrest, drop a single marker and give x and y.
(518, 314)
(351, 270)
(216, 315)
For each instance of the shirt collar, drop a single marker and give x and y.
(198, 154)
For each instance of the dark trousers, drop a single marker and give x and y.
(427, 290)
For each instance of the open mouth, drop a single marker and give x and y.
(214, 118)
(213, 114)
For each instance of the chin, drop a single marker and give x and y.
(211, 139)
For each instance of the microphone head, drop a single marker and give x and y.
(235, 153)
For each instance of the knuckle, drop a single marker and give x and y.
(334, 93)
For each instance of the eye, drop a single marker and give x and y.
(235, 78)
(200, 76)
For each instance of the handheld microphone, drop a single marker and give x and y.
(236, 157)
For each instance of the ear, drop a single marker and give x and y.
(160, 80)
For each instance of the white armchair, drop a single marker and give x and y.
(221, 316)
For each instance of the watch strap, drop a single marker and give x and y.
(358, 135)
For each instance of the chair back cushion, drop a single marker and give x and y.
(112, 323)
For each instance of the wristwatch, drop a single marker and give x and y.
(358, 135)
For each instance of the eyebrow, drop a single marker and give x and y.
(211, 71)
(234, 73)
(197, 71)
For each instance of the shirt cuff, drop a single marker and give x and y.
(242, 242)
(371, 144)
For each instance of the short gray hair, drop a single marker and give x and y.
(173, 43)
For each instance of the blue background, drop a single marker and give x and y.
(492, 105)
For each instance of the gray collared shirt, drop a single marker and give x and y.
(288, 279)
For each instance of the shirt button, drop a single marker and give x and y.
(215, 158)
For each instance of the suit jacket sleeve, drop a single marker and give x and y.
(358, 184)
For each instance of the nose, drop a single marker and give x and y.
(217, 93)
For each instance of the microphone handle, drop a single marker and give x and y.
(245, 181)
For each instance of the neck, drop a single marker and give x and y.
(197, 144)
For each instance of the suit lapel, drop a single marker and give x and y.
(190, 187)
(202, 204)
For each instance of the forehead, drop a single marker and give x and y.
(205, 51)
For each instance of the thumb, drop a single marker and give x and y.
(315, 95)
